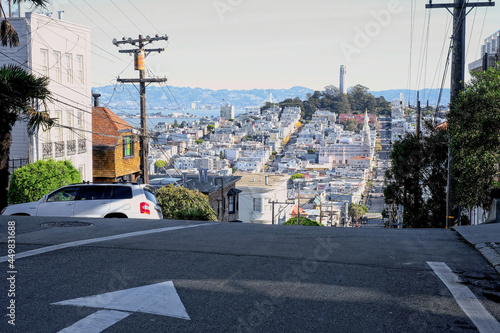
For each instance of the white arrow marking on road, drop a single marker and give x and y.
(159, 299)
(96, 322)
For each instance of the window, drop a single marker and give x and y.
(64, 194)
(81, 170)
(69, 123)
(122, 192)
(45, 62)
(68, 66)
(80, 119)
(57, 66)
(231, 204)
(79, 68)
(58, 130)
(128, 146)
(92, 192)
(257, 204)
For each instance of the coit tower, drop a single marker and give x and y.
(342, 86)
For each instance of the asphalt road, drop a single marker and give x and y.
(238, 278)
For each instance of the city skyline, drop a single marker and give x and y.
(237, 44)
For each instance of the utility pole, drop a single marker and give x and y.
(222, 203)
(298, 206)
(140, 54)
(280, 203)
(457, 80)
(418, 116)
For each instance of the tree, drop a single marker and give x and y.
(357, 210)
(33, 181)
(296, 176)
(180, 203)
(351, 125)
(199, 141)
(311, 151)
(8, 34)
(417, 178)
(474, 126)
(175, 124)
(210, 128)
(17, 90)
(303, 221)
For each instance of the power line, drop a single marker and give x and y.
(158, 30)
(131, 21)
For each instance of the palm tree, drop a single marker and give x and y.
(18, 90)
(8, 34)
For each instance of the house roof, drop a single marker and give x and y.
(360, 158)
(443, 125)
(296, 209)
(108, 125)
(259, 180)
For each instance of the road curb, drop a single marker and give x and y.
(487, 250)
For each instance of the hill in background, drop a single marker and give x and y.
(163, 97)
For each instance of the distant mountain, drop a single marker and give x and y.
(425, 94)
(162, 97)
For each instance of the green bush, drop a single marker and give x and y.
(303, 221)
(180, 203)
(296, 176)
(33, 181)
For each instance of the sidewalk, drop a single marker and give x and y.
(485, 238)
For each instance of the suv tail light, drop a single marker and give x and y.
(145, 208)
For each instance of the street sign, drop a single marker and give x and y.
(159, 299)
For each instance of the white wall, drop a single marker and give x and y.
(72, 98)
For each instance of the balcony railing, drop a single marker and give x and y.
(47, 150)
(82, 146)
(71, 147)
(59, 148)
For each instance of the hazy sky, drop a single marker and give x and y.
(245, 44)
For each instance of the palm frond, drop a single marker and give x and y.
(8, 34)
(36, 3)
(18, 89)
(39, 119)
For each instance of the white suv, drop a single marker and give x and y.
(96, 200)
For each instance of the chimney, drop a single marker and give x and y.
(205, 171)
(184, 178)
(96, 99)
(200, 176)
(267, 180)
(60, 14)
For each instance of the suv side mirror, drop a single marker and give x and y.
(44, 198)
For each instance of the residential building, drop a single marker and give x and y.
(227, 111)
(59, 50)
(490, 53)
(115, 148)
(258, 192)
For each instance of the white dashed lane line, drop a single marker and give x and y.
(96, 240)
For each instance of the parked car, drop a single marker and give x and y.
(95, 200)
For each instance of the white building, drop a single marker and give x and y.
(257, 193)
(227, 111)
(59, 50)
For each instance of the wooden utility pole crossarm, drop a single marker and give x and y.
(140, 54)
